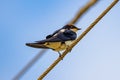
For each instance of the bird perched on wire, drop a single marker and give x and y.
(59, 40)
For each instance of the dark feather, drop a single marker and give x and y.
(36, 45)
(60, 37)
(51, 35)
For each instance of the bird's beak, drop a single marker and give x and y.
(78, 28)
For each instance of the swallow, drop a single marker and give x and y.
(60, 40)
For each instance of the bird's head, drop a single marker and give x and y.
(71, 27)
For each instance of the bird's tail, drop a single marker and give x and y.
(36, 45)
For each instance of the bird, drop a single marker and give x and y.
(60, 40)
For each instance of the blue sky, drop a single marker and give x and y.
(96, 57)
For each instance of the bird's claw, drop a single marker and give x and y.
(60, 55)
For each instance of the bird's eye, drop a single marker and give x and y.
(68, 28)
(72, 27)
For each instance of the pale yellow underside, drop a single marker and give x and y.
(57, 46)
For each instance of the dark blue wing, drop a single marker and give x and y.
(57, 31)
(52, 39)
(37, 45)
(70, 35)
(61, 37)
(49, 36)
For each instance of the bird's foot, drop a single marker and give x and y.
(60, 55)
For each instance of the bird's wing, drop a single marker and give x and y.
(67, 35)
(51, 35)
(72, 35)
(36, 45)
(60, 37)
(52, 39)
